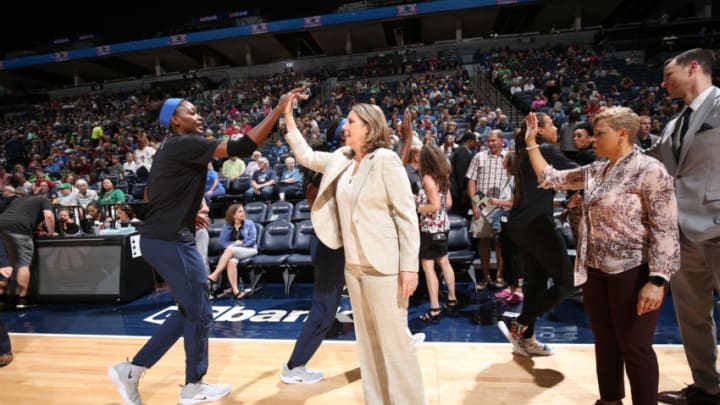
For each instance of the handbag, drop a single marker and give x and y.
(438, 238)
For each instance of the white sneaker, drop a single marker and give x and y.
(126, 376)
(300, 375)
(201, 392)
(418, 338)
(534, 348)
(513, 337)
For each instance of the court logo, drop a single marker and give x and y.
(241, 313)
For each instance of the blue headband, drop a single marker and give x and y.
(167, 111)
(338, 130)
(332, 143)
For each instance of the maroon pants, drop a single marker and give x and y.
(622, 338)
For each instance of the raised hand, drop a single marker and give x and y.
(406, 126)
(532, 126)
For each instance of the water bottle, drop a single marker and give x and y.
(108, 224)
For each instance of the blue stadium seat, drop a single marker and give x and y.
(274, 248)
(301, 211)
(460, 249)
(256, 211)
(279, 210)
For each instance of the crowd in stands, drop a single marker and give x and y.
(97, 149)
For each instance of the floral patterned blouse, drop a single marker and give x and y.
(434, 221)
(629, 218)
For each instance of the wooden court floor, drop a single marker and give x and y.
(51, 369)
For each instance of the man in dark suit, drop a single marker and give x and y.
(459, 162)
(645, 140)
(689, 147)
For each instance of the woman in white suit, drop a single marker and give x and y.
(365, 204)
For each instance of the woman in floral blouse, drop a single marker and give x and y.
(628, 249)
(432, 201)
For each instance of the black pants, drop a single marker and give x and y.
(622, 338)
(4, 339)
(512, 260)
(327, 290)
(545, 257)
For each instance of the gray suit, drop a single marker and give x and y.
(697, 183)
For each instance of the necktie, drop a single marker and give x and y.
(685, 120)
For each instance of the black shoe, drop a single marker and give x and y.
(689, 395)
(432, 314)
(6, 359)
(24, 303)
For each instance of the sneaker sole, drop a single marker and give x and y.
(115, 378)
(191, 401)
(290, 380)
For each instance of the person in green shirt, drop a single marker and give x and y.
(233, 167)
(109, 194)
(97, 134)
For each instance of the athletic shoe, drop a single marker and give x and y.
(418, 338)
(534, 348)
(504, 294)
(6, 359)
(300, 375)
(126, 376)
(24, 303)
(201, 392)
(513, 332)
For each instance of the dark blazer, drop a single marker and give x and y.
(459, 162)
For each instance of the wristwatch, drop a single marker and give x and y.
(657, 280)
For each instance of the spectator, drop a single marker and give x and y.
(290, 184)
(432, 202)
(97, 134)
(238, 238)
(232, 168)
(512, 262)
(213, 188)
(262, 183)
(94, 214)
(278, 151)
(45, 189)
(646, 140)
(582, 140)
(253, 165)
(109, 195)
(126, 217)
(66, 224)
(459, 163)
(4, 177)
(83, 196)
(486, 176)
(65, 196)
(130, 166)
(144, 155)
(116, 169)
